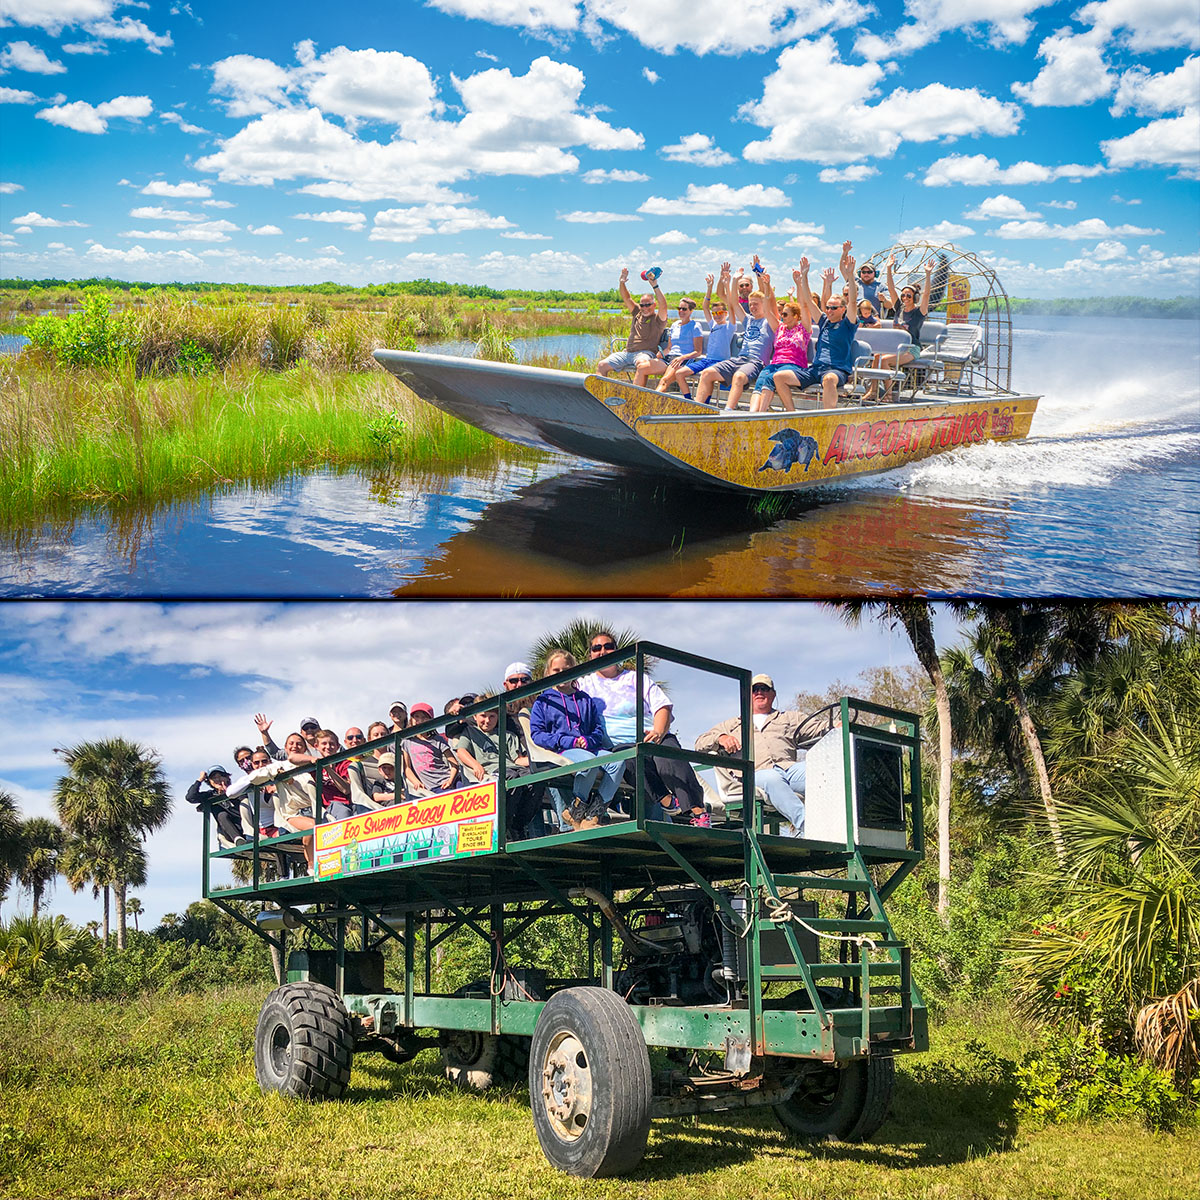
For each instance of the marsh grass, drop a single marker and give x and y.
(87, 436)
(156, 1098)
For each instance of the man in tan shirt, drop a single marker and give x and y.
(780, 741)
(650, 318)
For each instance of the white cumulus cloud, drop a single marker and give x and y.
(156, 212)
(511, 124)
(37, 221)
(1146, 24)
(21, 56)
(263, 230)
(943, 231)
(837, 124)
(1003, 22)
(697, 149)
(614, 175)
(87, 118)
(1148, 95)
(996, 208)
(980, 170)
(202, 231)
(1169, 142)
(353, 221)
(582, 217)
(715, 199)
(186, 190)
(672, 237)
(409, 224)
(1092, 229)
(1075, 71)
(17, 96)
(854, 174)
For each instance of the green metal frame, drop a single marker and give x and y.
(501, 895)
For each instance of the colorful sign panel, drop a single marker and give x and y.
(454, 824)
(958, 300)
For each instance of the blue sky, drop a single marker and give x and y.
(186, 679)
(550, 142)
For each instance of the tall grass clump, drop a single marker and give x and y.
(493, 345)
(108, 436)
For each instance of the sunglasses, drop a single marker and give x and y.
(355, 737)
(602, 648)
(761, 687)
(645, 304)
(834, 307)
(519, 679)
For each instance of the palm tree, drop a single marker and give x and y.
(1028, 649)
(913, 616)
(41, 841)
(575, 637)
(86, 861)
(10, 825)
(133, 908)
(114, 791)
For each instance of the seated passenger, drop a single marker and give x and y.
(866, 314)
(480, 741)
(868, 283)
(833, 353)
(212, 800)
(671, 782)
(791, 323)
(908, 314)
(261, 768)
(398, 712)
(722, 329)
(566, 720)
(780, 740)
(429, 762)
(758, 340)
(242, 756)
(383, 789)
(295, 801)
(687, 343)
(646, 329)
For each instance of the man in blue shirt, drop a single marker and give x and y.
(833, 354)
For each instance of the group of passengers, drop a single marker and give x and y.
(776, 335)
(569, 721)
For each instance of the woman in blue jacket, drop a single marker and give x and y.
(566, 720)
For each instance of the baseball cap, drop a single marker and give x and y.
(219, 771)
(389, 758)
(397, 704)
(427, 709)
(310, 723)
(763, 679)
(517, 668)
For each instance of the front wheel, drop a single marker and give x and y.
(304, 1042)
(845, 1104)
(589, 1083)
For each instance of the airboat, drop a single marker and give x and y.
(957, 393)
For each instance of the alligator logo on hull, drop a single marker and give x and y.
(791, 448)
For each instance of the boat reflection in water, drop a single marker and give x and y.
(607, 532)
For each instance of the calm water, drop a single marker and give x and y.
(1103, 499)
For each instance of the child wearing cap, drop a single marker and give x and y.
(383, 791)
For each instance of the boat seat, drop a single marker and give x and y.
(880, 341)
(954, 356)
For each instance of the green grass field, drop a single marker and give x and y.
(157, 1098)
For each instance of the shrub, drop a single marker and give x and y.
(46, 956)
(989, 898)
(493, 345)
(1073, 1076)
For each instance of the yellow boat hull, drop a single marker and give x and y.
(783, 451)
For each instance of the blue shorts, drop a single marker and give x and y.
(811, 375)
(698, 364)
(766, 377)
(741, 365)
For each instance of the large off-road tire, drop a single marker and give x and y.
(846, 1104)
(304, 1042)
(589, 1083)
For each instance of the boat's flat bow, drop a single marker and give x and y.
(532, 406)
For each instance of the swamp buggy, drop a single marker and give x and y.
(763, 966)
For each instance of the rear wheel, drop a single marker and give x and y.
(846, 1104)
(589, 1083)
(304, 1042)
(478, 1061)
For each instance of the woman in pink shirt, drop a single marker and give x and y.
(792, 320)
